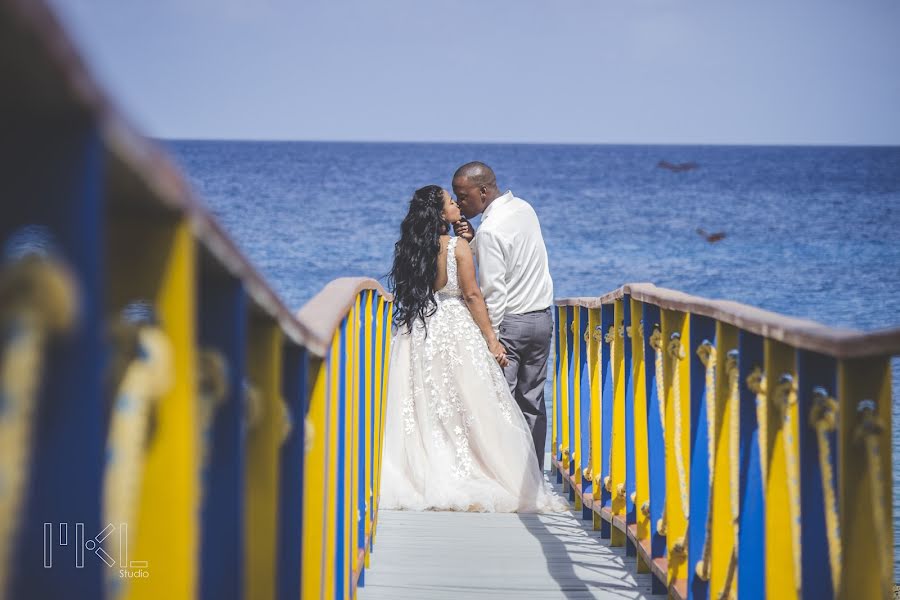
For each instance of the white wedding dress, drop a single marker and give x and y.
(454, 437)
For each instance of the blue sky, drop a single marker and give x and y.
(569, 71)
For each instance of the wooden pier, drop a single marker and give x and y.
(153, 385)
(446, 556)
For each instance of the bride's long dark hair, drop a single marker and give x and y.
(415, 267)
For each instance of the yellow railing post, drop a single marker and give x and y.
(575, 405)
(155, 263)
(564, 394)
(386, 330)
(864, 442)
(379, 369)
(725, 501)
(676, 377)
(263, 439)
(641, 443)
(350, 440)
(314, 505)
(782, 488)
(332, 512)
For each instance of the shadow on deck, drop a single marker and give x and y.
(439, 555)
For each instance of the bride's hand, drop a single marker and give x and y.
(499, 353)
(464, 229)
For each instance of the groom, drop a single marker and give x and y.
(515, 281)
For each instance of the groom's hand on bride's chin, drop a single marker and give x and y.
(464, 229)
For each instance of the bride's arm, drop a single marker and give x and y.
(465, 267)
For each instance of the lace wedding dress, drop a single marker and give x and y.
(454, 437)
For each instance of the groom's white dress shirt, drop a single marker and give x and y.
(512, 260)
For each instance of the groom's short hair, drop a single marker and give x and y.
(476, 172)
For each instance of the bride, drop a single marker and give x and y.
(454, 437)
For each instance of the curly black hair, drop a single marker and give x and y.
(412, 275)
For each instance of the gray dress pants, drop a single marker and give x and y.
(527, 338)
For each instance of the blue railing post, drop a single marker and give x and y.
(607, 318)
(751, 541)
(656, 442)
(290, 503)
(222, 319)
(817, 376)
(53, 178)
(703, 329)
(585, 408)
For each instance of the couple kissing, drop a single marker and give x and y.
(466, 421)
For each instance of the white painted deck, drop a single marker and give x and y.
(446, 555)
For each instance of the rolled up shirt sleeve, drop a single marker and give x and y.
(492, 276)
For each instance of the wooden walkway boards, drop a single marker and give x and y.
(446, 555)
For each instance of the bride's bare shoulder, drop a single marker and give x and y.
(462, 247)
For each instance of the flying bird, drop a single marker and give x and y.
(711, 237)
(677, 167)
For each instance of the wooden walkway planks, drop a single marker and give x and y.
(445, 555)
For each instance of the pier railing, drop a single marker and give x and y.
(168, 428)
(344, 435)
(735, 451)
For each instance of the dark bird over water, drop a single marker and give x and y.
(711, 237)
(677, 167)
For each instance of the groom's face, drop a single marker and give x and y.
(468, 196)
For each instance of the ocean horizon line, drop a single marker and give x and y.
(519, 143)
